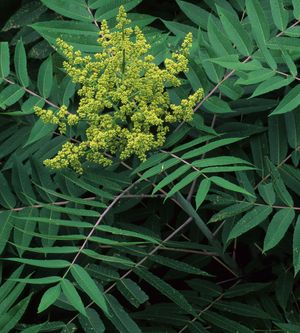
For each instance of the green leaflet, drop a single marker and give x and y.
(14, 315)
(120, 318)
(28, 105)
(4, 60)
(6, 226)
(81, 35)
(278, 227)
(284, 288)
(52, 249)
(277, 139)
(88, 285)
(214, 73)
(228, 185)
(291, 328)
(67, 91)
(59, 222)
(88, 187)
(20, 62)
(192, 143)
(177, 265)
(49, 297)
(218, 161)
(231, 211)
(284, 43)
(280, 14)
(279, 185)
(23, 239)
(296, 11)
(50, 263)
(91, 323)
(242, 309)
(244, 289)
(195, 13)
(256, 77)
(296, 247)
(45, 78)
(235, 31)
(72, 211)
(183, 182)
(24, 15)
(159, 168)
(141, 20)
(259, 24)
(33, 329)
(42, 178)
(171, 177)
(102, 272)
(44, 280)
(72, 296)
(166, 289)
(180, 29)
(75, 9)
(289, 102)
(232, 62)
(11, 298)
(132, 292)
(7, 198)
(271, 84)
(218, 40)
(229, 89)
(210, 146)
(291, 177)
(293, 31)
(220, 169)
(9, 285)
(107, 9)
(116, 259)
(202, 191)
(225, 324)
(150, 162)
(266, 191)
(171, 140)
(216, 105)
(250, 220)
(69, 328)
(123, 232)
(290, 63)
(38, 131)
(10, 95)
(87, 202)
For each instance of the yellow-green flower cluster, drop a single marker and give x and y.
(123, 97)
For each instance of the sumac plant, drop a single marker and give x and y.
(149, 166)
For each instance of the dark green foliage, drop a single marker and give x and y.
(204, 236)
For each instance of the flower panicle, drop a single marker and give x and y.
(123, 97)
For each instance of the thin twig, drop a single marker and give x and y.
(90, 12)
(33, 94)
(205, 309)
(106, 211)
(191, 191)
(139, 263)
